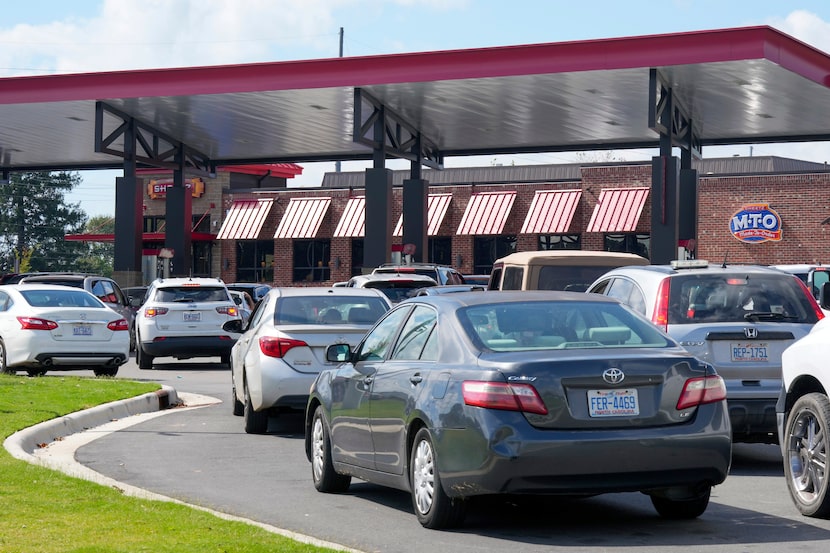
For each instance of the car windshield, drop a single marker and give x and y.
(558, 324)
(60, 298)
(737, 298)
(191, 294)
(398, 290)
(327, 310)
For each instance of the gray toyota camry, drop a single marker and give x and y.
(459, 395)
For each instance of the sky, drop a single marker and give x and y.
(47, 37)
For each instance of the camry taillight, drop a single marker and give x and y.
(660, 317)
(151, 312)
(273, 346)
(35, 323)
(701, 390)
(503, 395)
(120, 324)
(227, 310)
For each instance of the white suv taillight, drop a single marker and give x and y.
(151, 312)
(660, 317)
(227, 310)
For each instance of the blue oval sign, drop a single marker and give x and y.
(756, 223)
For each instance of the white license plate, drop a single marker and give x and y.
(613, 403)
(749, 352)
(192, 317)
(82, 330)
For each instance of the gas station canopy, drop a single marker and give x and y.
(746, 85)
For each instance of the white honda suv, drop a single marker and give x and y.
(183, 318)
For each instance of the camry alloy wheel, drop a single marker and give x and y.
(423, 476)
(317, 449)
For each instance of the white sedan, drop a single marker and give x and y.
(57, 328)
(283, 345)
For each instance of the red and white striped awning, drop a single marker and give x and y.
(353, 221)
(437, 205)
(245, 219)
(303, 217)
(486, 213)
(618, 210)
(551, 212)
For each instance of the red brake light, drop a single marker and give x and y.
(813, 303)
(226, 310)
(120, 324)
(501, 395)
(701, 390)
(34, 323)
(660, 317)
(278, 347)
(151, 312)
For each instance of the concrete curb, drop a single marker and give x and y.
(52, 444)
(23, 444)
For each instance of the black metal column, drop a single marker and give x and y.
(377, 246)
(129, 214)
(415, 212)
(687, 216)
(178, 219)
(665, 197)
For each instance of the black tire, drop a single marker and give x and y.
(132, 338)
(434, 508)
(805, 453)
(325, 478)
(682, 509)
(238, 406)
(143, 360)
(109, 371)
(4, 369)
(256, 422)
(36, 372)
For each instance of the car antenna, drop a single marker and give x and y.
(723, 265)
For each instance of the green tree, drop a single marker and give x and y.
(98, 257)
(34, 217)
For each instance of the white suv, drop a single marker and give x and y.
(183, 318)
(738, 318)
(804, 419)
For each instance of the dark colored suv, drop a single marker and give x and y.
(739, 318)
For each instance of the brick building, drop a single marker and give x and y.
(314, 236)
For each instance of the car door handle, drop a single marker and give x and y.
(416, 378)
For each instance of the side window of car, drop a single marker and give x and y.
(376, 344)
(628, 293)
(513, 277)
(414, 334)
(259, 309)
(600, 287)
(5, 301)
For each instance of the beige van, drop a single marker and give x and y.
(571, 270)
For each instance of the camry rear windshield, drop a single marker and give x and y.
(559, 325)
(738, 298)
(191, 293)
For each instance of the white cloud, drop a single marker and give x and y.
(806, 27)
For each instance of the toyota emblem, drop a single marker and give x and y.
(613, 376)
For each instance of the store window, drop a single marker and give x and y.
(630, 243)
(357, 256)
(439, 250)
(560, 242)
(255, 260)
(201, 259)
(486, 249)
(311, 260)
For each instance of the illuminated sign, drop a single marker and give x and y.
(157, 188)
(756, 223)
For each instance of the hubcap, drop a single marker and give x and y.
(423, 477)
(807, 452)
(317, 454)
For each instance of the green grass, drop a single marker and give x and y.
(45, 511)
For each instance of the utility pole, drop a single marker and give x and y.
(337, 163)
